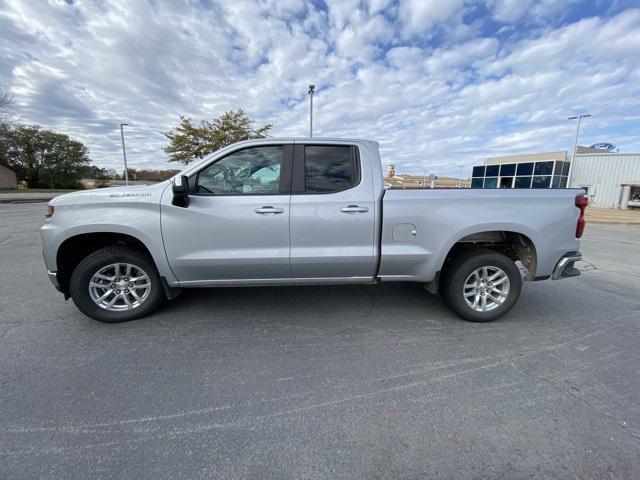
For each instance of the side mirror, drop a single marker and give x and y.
(180, 188)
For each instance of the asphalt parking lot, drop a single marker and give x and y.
(322, 382)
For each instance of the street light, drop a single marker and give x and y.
(575, 145)
(460, 177)
(312, 89)
(124, 154)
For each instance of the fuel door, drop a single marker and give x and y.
(404, 232)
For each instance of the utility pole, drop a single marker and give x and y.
(312, 89)
(124, 154)
(575, 145)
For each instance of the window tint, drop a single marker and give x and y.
(525, 168)
(328, 168)
(250, 171)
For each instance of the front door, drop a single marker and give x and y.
(236, 226)
(332, 213)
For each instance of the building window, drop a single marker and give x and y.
(525, 169)
(478, 171)
(541, 182)
(506, 182)
(491, 182)
(477, 182)
(492, 171)
(543, 168)
(523, 182)
(559, 182)
(508, 170)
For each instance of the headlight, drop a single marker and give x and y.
(50, 211)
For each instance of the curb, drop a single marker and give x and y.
(614, 222)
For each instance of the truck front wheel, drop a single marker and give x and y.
(481, 285)
(116, 284)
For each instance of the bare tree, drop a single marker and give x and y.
(5, 100)
(6, 118)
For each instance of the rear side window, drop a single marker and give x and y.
(329, 168)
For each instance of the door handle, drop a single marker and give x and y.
(354, 209)
(268, 209)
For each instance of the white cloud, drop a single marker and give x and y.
(430, 80)
(420, 16)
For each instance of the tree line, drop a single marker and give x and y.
(44, 158)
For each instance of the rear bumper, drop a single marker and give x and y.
(565, 267)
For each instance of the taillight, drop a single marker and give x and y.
(581, 203)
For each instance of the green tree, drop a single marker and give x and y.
(188, 142)
(43, 158)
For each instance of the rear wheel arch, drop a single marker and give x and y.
(515, 245)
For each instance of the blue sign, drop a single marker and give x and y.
(606, 147)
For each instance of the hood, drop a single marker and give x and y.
(150, 192)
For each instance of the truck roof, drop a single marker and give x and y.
(308, 140)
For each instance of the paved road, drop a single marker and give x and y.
(322, 382)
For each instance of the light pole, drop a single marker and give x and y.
(312, 89)
(124, 154)
(575, 145)
(460, 177)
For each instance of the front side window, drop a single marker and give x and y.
(328, 168)
(249, 171)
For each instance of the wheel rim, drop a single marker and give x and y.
(486, 288)
(119, 287)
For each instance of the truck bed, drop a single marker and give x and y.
(441, 217)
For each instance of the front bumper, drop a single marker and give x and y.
(565, 267)
(53, 278)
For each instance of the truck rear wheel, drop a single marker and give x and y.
(481, 285)
(116, 284)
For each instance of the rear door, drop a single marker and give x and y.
(332, 213)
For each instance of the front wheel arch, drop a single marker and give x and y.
(76, 248)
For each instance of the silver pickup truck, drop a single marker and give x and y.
(305, 211)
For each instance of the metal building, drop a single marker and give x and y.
(612, 180)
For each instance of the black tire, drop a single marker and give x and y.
(79, 284)
(459, 270)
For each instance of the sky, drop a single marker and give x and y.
(439, 83)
